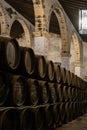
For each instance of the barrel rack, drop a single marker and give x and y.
(35, 93)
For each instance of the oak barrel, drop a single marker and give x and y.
(4, 88)
(31, 118)
(60, 92)
(56, 114)
(63, 75)
(33, 93)
(18, 90)
(58, 76)
(68, 77)
(9, 119)
(50, 71)
(62, 112)
(44, 92)
(53, 92)
(65, 93)
(9, 54)
(41, 69)
(27, 62)
(49, 121)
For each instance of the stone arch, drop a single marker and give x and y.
(55, 44)
(75, 54)
(72, 57)
(3, 25)
(54, 24)
(43, 10)
(63, 28)
(40, 21)
(77, 49)
(20, 31)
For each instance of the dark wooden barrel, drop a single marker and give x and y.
(82, 108)
(62, 113)
(9, 119)
(27, 61)
(33, 93)
(50, 71)
(63, 75)
(73, 80)
(26, 118)
(83, 84)
(65, 93)
(41, 69)
(85, 106)
(74, 110)
(58, 76)
(74, 94)
(56, 114)
(67, 112)
(60, 92)
(9, 54)
(80, 95)
(77, 109)
(4, 88)
(85, 96)
(39, 118)
(53, 92)
(68, 77)
(18, 90)
(49, 121)
(70, 111)
(76, 80)
(44, 92)
(70, 93)
(31, 118)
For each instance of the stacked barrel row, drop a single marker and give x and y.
(35, 93)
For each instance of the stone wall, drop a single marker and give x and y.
(84, 70)
(54, 48)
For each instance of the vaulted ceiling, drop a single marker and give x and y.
(71, 7)
(25, 7)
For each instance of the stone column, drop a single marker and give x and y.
(41, 45)
(65, 61)
(78, 69)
